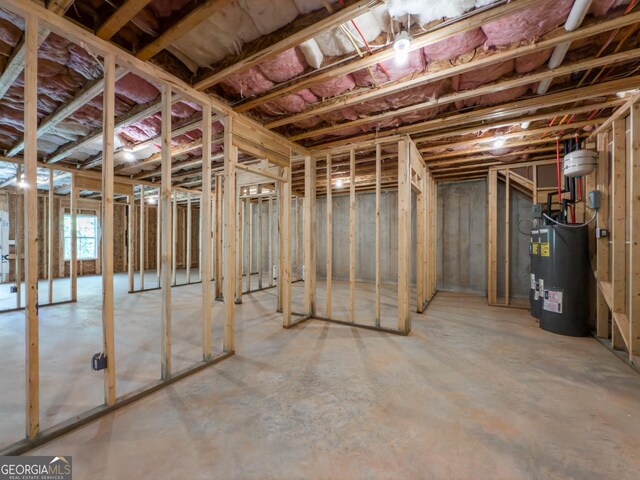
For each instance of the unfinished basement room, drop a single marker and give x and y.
(320, 239)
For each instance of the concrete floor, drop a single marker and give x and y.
(473, 392)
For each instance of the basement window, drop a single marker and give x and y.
(87, 237)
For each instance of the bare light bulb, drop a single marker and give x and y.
(401, 45)
(339, 183)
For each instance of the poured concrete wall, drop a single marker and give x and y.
(461, 237)
(365, 237)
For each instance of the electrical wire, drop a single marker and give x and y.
(525, 220)
(595, 214)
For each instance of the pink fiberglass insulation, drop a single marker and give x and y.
(455, 46)
(422, 93)
(372, 106)
(602, 7)
(217, 128)
(294, 103)
(307, 123)
(9, 33)
(421, 115)
(494, 98)
(527, 24)
(289, 64)
(166, 8)
(390, 71)
(334, 87)
(83, 63)
(136, 89)
(247, 84)
(142, 130)
(345, 132)
(182, 110)
(188, 137)
(339, 116)
(528, 63)
(381, 124)
(480, 76)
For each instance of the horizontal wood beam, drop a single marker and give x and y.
(430, 76)
(523, 143)
(88, 92)
(477, 19)
(334, 20)
(120, 18)
(502, 111)
(190, 21)
(500, 86)
(519, 134)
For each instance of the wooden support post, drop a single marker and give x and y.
(634, 235)
(378, 280)
(249, 244)
(284, 275)
(507, 234)
(296, 251)
(212, 226)
(50, 228)
(32, 380)
(108, 120)
(404, 236)
(174, 236)
(19, 238)
(434, 226)
(618, 229)
(420, 253)
(280, 198)
(352, 236)
(492, 246)
(73, 263)
(188, 242)
(142, 238)
(167, 234)
(329, 238)
(158, 239)
(230, 160)
(260, 244)
(205, 233)
(130, 231)
(309, 238)
(602, 244)
(219, 237)
(269, 240)
(240, 257)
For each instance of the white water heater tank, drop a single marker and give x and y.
(580, 163)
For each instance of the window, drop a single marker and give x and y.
(87, 237)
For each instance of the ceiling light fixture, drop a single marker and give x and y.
(339, 183)
(152, 200)
(128, 156)
(401, 45)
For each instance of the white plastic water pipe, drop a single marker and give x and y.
(574, 20)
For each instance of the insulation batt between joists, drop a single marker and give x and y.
(226, 31)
